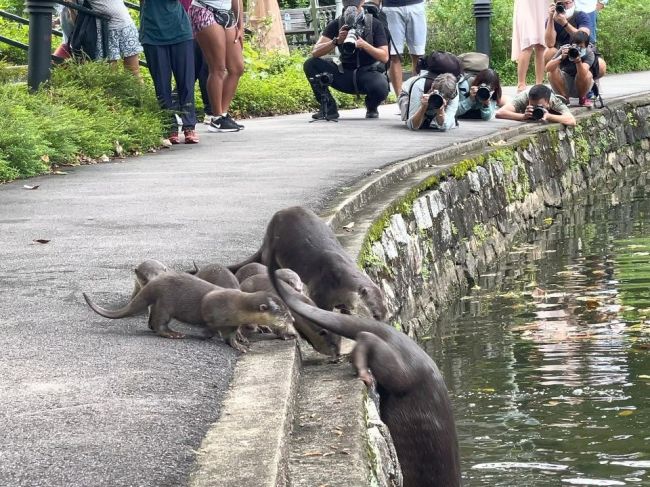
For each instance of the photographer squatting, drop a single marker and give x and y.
(574, 68)
(363, 44)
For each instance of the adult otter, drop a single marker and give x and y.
(414, 402)
(145, 272)
(196, 302)
(299, 240)
(323, 341)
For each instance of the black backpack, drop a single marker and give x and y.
(83, 39)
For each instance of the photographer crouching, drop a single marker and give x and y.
(363, 45)
(574, 68)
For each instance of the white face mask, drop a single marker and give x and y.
(568, 13)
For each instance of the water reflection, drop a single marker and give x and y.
(548, 362)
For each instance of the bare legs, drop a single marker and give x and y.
(522, 65)
(225, 64)
(132, 64)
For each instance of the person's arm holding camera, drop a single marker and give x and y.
(560, 56)
(509, 112)
(325, 44)
(565, 118)
(550, 36)
(418, 104)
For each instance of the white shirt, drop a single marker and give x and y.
(586, 6)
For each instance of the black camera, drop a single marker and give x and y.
(559, 8)
(574, 53)
(435, 101)
(538, 112)
(483, 93)
(324, 79)
(349, 45)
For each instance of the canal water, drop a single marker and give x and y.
(548, 358)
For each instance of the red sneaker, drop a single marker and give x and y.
(174, 138)
(583, 101)
(191, 137)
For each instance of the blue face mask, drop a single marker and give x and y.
(582, 51)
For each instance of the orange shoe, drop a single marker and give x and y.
(191, 137)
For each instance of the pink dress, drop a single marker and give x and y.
(528, 24)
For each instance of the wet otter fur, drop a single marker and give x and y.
(414, 401)
(323, 341)
(299, 240)
(194, 301)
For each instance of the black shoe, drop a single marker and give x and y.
(223, 124)
(372, 113)
(320, 115)
(241, 127)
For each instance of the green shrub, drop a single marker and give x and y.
(84, 111)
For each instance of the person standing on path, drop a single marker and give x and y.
(166, 35)
(591, 8)
(407, 24)
(218, 26)
(122, 35)
(528, 36)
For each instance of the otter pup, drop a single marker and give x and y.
(322, 340)
(249, 270)
(196, 302)
(218, 275)
(414, 402)
(145, 272)
(299, 240)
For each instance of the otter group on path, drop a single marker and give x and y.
(266, 291)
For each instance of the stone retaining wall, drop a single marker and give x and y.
(432, 244)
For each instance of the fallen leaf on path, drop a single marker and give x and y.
(27, 186)
(41, 240)
(348, 227)
(626, 412)
(58, 173)
(312, 454)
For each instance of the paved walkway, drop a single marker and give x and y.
(90, 401)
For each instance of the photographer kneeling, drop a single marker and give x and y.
(574, 68)
(538, 104)
(363, 44)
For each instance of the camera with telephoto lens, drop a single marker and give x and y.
(574, 53)
(323, 79)
(483, 93)
(349, 45)
(538, 112)
(435, 101)
(559, 8)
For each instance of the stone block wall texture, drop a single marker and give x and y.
(435, 247)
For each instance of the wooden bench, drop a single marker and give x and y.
(299, 27)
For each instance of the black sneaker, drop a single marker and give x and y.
(372, 113)
(320, 115)
(241, 127)
(223, 124)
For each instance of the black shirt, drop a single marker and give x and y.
(379, 39)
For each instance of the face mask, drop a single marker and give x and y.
(568, 13)
(582, 51)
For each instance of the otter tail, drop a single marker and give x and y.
(256, 257)
(135, 306)
(345, 325)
